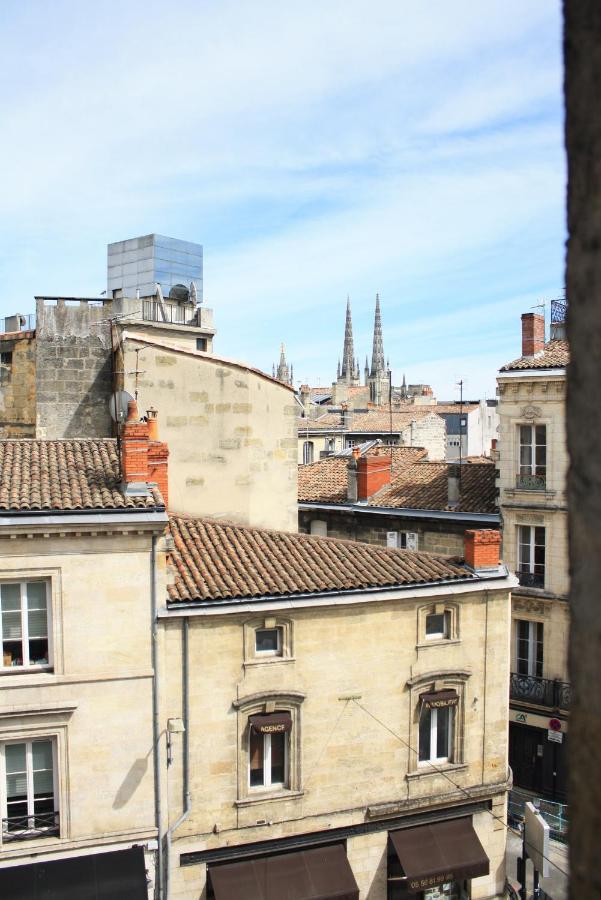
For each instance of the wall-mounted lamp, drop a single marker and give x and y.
(174, 726)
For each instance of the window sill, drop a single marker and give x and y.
(13, 671)
(427, 772)
(269, 661)
(269, 797)
(439, 642)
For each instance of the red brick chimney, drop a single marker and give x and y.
(373, 473)
(533, 333)
(143, 456)
(158, 456)
(482, 548)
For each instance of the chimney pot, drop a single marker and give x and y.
(482, 548)
(153, 423)
(132, 411)
(533, 333)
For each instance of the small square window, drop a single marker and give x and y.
(201, 344)
(437, 626)
(268, 641)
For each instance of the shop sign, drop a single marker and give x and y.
(422, 884)
(555, 737)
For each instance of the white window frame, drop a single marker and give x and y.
(446, 627)
(402, 539)
(24, 639)
(531, 468)
(534, 629)
(268, 784)
(530, 570)
(28, 742)
(278, 650)
(432, 758)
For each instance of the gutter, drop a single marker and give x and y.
(158, 891)
(186, 748)
(404, 512)
(487, 579)
(64, 517)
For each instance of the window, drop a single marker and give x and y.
(406, 540)
(533, 457)
(438, 625)
(268, 750)
(201, 344)
(435, 734)
(29, 798)
(531, 556)
(529, 648)
(308, 452)
(24, 630)
(6, 363)
(268, 641)
(319, 527)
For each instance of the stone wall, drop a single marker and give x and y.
(17, 385)
(444, 537)
(346, 761)
(231, 432)
(73, 368)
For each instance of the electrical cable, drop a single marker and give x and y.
(450, 780)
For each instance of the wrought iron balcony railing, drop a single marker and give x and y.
(22, 828)
(539, 691)
(531, 579)
(530, 482)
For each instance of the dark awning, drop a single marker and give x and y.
(439, 699)
(271, 723)
(444, 851)
(99, 876)
(322, 873)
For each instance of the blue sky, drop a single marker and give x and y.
(315, 149)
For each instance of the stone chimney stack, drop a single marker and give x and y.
(533, 333)
(345, 416)
(482, 548)
(454, 486)
(351, 491)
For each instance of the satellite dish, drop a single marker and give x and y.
(179, 292)
(118, 405)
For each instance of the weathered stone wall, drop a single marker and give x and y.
(347, 761)
(17, 386)
(231, 433)
(73, 369)
(442, 537)
(97, 702)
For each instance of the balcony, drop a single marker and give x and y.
(23, 828)
(539, 691)
(530, 482)
(531, 579)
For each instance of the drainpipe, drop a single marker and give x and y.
(186, 754)
(158, 892)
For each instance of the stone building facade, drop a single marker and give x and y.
(340, 677)
(78, 561)
(532, 462)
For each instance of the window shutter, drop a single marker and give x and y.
(411, 540)
(391, 539)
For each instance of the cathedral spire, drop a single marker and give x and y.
(283, 373)
(348, 371)
(378, 366)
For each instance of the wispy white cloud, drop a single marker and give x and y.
(315, 149)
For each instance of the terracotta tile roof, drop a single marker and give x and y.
(425, 486)
(415, 485)
(446, 408)
(370, 422)
(326, 480)
(65, 475)
(221, 561)
(555, 355)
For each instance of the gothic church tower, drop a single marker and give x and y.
(378, 379)
(348, 373)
